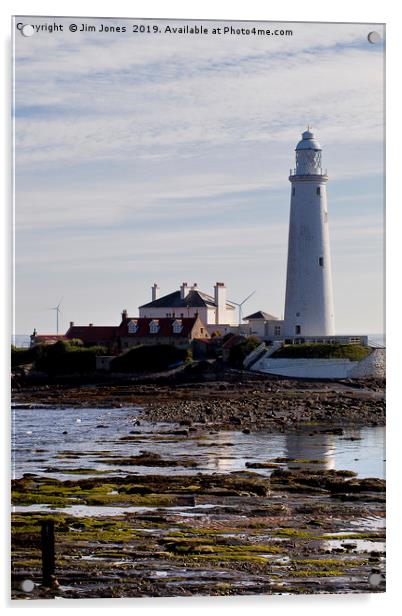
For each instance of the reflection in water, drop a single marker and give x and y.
(52, 437)
(221, 452)
(310, 451)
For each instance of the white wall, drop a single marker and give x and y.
(219, 327)
(371, 366)
(309, 300)
(231, 316)
(257, 327)
(220, 301)
(206, 315)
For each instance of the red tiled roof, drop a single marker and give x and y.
(92, 333)
(165, 327)
(42, 337)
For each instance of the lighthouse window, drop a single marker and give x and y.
(321, 261)
(318, 190)
(293, 191)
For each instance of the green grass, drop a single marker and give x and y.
(354, 352)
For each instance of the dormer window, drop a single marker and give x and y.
(177, 326)
(154, 326)
(133, 327)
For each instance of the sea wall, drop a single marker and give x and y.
(372, 366)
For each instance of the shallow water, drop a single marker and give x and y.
(38, 443)
(82, 511)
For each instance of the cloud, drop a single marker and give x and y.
(139, 156)
(122, 99)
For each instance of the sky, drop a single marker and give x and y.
(143, 158)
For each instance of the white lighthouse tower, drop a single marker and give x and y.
(309, 309)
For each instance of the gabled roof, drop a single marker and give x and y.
(193, 299)
(165, 327)
(92, 334)
(260, 314)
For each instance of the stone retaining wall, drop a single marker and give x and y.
(372, 366)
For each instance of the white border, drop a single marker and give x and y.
(368, 11)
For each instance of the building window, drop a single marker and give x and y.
(297, 314)
(293, 191)
(321, 261)
(277, 330)
(132, 327)
(154, 327)
(177, 327)
(297, 330)
(318, 190)
(202, 330)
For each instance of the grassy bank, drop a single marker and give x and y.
(354, 352)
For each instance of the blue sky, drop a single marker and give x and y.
(143, 159)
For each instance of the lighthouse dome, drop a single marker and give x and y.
(308, 155)
(308, 142)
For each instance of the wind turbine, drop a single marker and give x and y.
(57, 309)
(240, 305)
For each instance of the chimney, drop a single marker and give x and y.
(124, 315)
(71, 323)
(183, 290)
(155, 292)
(220, 302)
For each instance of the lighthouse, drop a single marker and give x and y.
(309, 309)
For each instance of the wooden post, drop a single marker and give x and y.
(48, 553)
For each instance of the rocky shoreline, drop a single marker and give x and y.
(138, 513)
(296, 532)
(235, 400)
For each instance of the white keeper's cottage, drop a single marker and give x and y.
(214, 311)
